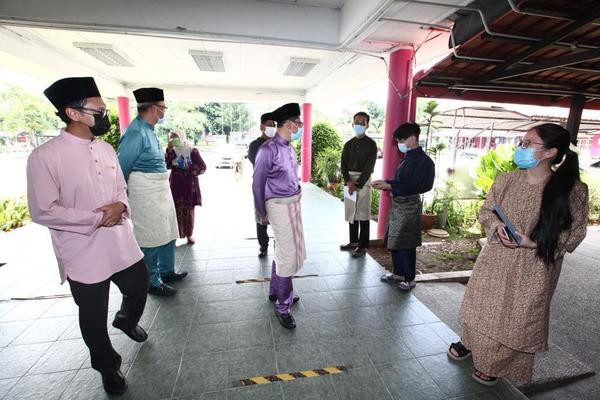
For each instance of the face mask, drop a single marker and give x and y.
(160, 120)
(101, 125)
(297, 135)
(176, 142)
(359, 130)
(270, 131)
(525, 158)
(402, 147)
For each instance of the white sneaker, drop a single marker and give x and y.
(407, 286)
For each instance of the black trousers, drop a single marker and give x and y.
(405, 263)
(92, 300)
(363, 238)
(262, 235)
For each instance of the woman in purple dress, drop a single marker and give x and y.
(185, 164)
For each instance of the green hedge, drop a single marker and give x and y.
(13, 213)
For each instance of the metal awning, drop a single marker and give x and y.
(481, 118)
(537, 52)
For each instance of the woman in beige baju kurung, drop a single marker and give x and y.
(506, 306)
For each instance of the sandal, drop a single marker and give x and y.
(482, 378)
(461, 350)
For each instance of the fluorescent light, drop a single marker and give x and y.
(208, 61)
(300, 66)
(105, 53)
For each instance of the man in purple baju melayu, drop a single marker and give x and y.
(277, 195)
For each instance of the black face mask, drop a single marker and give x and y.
(101, 125)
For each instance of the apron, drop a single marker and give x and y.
(359, 210)
(404, 226)
(152, 208)
(285, 218)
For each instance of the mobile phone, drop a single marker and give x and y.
(509, 229)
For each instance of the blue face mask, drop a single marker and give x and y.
(525, 158)
(160, 120)
(359, 130)
(402, 147)
(297, 135)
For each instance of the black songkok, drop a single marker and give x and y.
(285, 112)
(149, 95)
(68, 90)
(266, 117)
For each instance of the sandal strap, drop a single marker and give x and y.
(460, 348)
(487, 379)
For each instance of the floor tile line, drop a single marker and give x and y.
(432, 378)
(178, 374)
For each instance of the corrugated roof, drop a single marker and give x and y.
(526, 59)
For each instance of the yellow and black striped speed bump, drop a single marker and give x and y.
(311, 373)
(261, 280)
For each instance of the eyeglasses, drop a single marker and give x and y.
(101, 112)
(525, 143)
(299, 124)
(161, 107)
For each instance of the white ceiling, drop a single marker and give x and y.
(257, 39)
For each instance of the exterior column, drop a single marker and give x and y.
(595, 147)
(398, 111)
(306, 152)
(577, 106)
(124, 113)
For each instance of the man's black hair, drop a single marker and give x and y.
(74, 104)
(407, 130)
(362, 114)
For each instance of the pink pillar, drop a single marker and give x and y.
(306, 143)
(124, 113)
(398, 111)
(595, 147)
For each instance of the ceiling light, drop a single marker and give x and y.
(300, 66)
(105, 53)
(209, 61)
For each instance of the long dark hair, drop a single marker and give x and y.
(555, 214)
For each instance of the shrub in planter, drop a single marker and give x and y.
(324, 137)
(328, 167)
(13, 213)
(494, 163)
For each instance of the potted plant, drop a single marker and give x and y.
(328, 167)
(429, 215)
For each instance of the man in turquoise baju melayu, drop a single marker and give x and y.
(152, 209)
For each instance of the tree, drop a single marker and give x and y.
(22, 110)
(429, 113)
(183, 117)
(377, 115)
(212, 114)
(237, 116)
(224, 118)
(375, 111)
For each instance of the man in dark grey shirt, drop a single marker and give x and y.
(358, 161)
(267, 127)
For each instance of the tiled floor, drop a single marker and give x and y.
(216, 332)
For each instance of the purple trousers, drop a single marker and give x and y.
(284, 290)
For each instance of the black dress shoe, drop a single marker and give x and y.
(174, 277)
(162, 290)
(348, 246)
(359, 252)
(137, 333)
(114, 383)
(286, 320)
(262, 252)
(272, 297)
